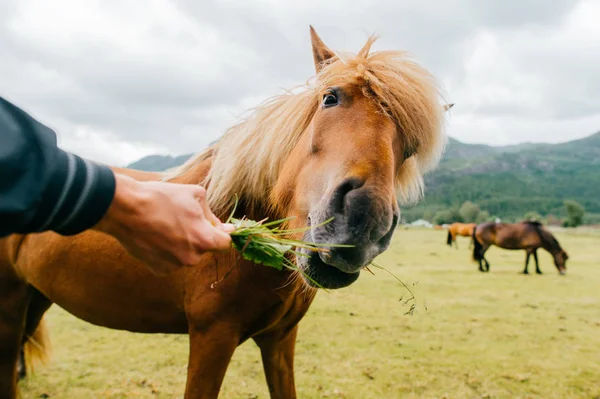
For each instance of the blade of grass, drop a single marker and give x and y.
(412, 295)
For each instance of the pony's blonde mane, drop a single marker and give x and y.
(248, 158)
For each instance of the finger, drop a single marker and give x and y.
(210, 216)
(213, 238)
(222, 240)
(227, 228)
(215, 221)
(199, 193)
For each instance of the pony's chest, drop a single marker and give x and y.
(253, 297)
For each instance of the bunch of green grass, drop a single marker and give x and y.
(269, 244)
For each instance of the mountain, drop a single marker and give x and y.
(158, 163)
(507, 181)
(513, 180)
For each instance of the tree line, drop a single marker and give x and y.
(470, 212)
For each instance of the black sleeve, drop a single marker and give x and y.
(43, 187)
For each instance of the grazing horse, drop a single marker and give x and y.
(347, 145)
(527, 235)
(459, 229)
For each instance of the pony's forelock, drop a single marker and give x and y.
(248, 158)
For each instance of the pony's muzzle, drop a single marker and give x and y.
(362, 220)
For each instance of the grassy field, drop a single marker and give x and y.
(473, 335)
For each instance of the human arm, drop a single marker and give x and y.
(45, 188)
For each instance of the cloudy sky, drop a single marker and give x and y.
(119, 80)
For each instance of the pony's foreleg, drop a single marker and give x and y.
(525, 271)
(210, 353)
(483, 251)
(537, 265)
(277, 350)
(481, 268)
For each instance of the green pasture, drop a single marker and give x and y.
(472, 335)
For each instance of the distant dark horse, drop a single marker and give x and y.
(526, 235)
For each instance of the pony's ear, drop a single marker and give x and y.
(321, 53)
(448, 106)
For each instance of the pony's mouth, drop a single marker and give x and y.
(317, 272)
(321, 275)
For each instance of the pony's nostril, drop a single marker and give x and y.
(339, 196)
(386, 236)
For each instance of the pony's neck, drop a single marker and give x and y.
(197, 174)
(194, 174)
(550, 246)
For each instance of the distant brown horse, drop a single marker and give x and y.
(356, 138)
(459, 229)
(527, 235)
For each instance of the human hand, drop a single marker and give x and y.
(165, 225)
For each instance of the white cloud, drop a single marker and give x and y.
(536, 83)
(93, 144)
(119, 80)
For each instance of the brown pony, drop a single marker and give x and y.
(459, 229)
(346, 145)
(527, 235)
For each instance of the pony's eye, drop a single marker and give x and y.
(330, 100)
